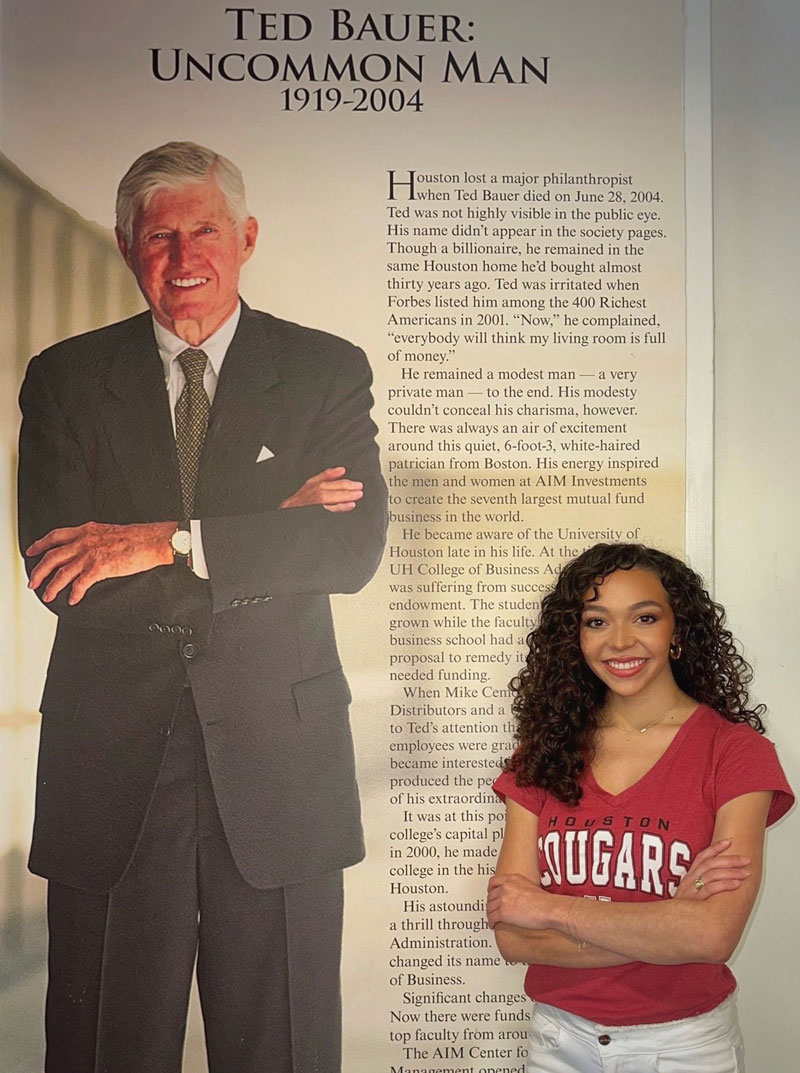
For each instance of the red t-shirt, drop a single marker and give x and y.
(634, 847)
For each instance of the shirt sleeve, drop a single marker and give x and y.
(199, 564)
(748, 762)
(530, 797)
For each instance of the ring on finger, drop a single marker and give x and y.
(699, 884)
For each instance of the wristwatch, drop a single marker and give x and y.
(181, 544)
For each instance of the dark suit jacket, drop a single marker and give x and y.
(256, 641)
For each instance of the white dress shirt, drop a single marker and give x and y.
(215, 348)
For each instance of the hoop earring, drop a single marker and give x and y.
(675, 650)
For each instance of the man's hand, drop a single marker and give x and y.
(327, 489)
(80, 556)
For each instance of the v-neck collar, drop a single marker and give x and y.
(591, 783)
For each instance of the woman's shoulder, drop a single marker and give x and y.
(743, 760)
(708, 721)
(727, 739)
(530, 797)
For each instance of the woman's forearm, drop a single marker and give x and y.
(669, 932)
(552, 948)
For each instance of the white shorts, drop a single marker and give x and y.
(562, 1042)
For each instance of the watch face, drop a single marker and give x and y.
(181, 541)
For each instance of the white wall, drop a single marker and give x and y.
(756, 119)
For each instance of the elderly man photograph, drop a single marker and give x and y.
(193, 483)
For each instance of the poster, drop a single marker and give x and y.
(492, 203)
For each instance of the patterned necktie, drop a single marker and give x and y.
(191, 422)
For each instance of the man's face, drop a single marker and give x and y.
(186, 255)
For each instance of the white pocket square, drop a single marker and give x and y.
(264, 454)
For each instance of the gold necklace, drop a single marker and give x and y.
(642, 730)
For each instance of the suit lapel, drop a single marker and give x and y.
(139, 426)
(241, 411)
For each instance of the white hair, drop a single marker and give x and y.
(170, 167)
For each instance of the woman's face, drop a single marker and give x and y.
(626, 629)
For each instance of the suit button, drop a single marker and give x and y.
(235, 603)
(189, 650)
(164, 730)
(153, 627)
(176, 629)
(187, 630)
(604, 1040)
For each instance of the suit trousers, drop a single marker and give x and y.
(121, 962)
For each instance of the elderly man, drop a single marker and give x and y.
(191, 486)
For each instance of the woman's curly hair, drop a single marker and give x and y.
(558, 698)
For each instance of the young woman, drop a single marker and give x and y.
(636, 805)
